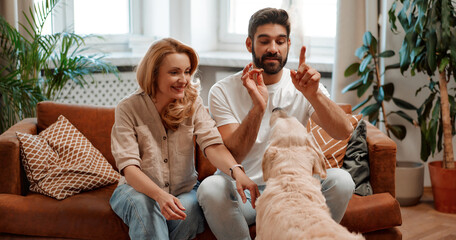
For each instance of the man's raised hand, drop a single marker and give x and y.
(306, 79)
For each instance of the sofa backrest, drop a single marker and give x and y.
(94, 122)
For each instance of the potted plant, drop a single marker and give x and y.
(429, 46)
(409, 175)
(370, 79)
(35, 66)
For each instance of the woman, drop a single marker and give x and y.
(152, 143)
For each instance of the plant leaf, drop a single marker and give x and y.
(367, 38)
(361, 103)
(443, 64)
(403, 104)
(352, 69)
(389, 91)
(353, 85)
(363, 88)
(379, 95)
(386, 54)
(367, 111)
(430, 51)
(393, 66)
(399, 131)
(366, 61)
(403, 115)
(361, 51)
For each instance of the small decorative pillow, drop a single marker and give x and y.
(356, 160)
(333, 149)
(61, 162)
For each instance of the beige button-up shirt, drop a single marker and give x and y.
(139, 138)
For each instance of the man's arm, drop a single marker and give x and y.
(330, 117)
(327, 114)
(239, 138)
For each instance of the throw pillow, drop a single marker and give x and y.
(333, 149)
(356, 160)
(61, 162)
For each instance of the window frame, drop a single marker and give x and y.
(321, 47)
(63, 19)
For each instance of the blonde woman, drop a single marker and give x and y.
(152, 143)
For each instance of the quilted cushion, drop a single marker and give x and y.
(333, 149)
(60, 161)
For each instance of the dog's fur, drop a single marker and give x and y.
(292, 205)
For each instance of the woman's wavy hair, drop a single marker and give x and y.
(147, 77)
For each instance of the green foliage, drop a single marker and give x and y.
(369, 79)
(35, 66)
(429, 45)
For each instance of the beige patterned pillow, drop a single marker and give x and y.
(61, 162)
(333, 149)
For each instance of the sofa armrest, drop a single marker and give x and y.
(12, 179)
(382, 160)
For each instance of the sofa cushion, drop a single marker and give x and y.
(70, 164)
(87, 215)
(333, 149)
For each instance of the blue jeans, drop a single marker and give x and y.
(145, 221)
(229, 218)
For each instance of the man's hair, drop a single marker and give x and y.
(266, 16)
(147, 77)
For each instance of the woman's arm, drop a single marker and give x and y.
(222, 159)
(170, 206)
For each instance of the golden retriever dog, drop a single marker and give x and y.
(292, 206)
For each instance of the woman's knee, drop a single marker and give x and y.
(127, 203)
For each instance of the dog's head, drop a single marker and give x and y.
(287, 135)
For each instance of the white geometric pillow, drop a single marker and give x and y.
(61, 162)
(333, 149)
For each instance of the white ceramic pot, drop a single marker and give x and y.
(409, 182)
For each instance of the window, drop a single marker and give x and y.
(105, 17)
(115, 20)
(313, 23)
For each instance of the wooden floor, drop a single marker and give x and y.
(422, 221)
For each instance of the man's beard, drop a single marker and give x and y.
(272, 67)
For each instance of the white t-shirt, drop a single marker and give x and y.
(229, 102)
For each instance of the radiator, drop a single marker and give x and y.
(107, 90)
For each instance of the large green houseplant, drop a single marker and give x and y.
(368, 70)
(35, 66)
(429, 46)
(409, 189)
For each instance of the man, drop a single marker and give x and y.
(242, 105)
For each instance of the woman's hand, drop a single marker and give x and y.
(244, 182)
(171, 207)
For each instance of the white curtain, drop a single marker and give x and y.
(354, 17)
(11, 10)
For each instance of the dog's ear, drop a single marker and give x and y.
(268, 158)
(319, 166)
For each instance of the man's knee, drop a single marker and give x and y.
(340, 181)
(214, 189)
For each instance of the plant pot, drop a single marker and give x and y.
(443, 187)
(409, 182)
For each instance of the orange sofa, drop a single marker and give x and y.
(88, 215)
